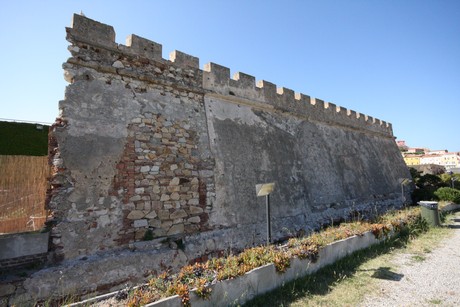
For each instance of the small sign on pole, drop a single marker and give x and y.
(264, 189)
(403, 182)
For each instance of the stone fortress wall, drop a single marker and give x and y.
(150, 148)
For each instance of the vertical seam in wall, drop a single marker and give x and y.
(209, 125)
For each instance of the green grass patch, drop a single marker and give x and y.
(418, 258)
(435, 301)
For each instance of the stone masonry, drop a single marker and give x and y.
(151, 148)
(156, 160)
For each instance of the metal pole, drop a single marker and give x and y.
(402, 194)
(269, 230)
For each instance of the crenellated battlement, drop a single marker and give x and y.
(214, 78)
(151, 152)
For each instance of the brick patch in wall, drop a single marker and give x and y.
(158, 180)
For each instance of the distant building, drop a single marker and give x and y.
(420, 156)
(416, 150)
(411, 159)
(451, 160)
(431, 159)
(437, 152)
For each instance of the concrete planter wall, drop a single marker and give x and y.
(450, 207)
(264, 279)
(22, 249)
(23, 244)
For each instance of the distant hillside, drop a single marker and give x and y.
(23, 139)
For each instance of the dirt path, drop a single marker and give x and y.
(431, 279)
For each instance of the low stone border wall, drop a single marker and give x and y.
(22, 249)
(450, 208)
(263, 279)
(266, 278)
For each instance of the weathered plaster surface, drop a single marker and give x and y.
(152, 148)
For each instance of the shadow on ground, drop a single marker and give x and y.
(386, 273)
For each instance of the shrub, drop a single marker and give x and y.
(424, 193)
(426, 185)
(448, 194)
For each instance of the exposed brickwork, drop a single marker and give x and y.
(159, 181)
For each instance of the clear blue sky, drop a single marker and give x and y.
(398, 61)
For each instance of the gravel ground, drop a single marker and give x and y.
(434, 281)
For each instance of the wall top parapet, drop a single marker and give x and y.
(217, 79)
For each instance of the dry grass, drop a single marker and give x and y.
(23, 185)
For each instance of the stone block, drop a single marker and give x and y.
(163, 214)
(184, 60)
(157, 205)
(175, 181)
(176, 229)
(135, 215)
(166, 225)
(159, 232)
(168, 205)
(151, 215)
(141, 223)
(144, 47)
(191, 228)
(195, 210)
(175, 196)
(165, 197)
(173, 188)
(178, 214)
(156, 189)
(145, 169)
(139, 235)
(140, 206)
(135, 198)
(155, 223)
(194, 220)
(93, 31)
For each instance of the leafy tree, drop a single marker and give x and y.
(426, 186)
(447, 179)
(414, 173)
(430, 181)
